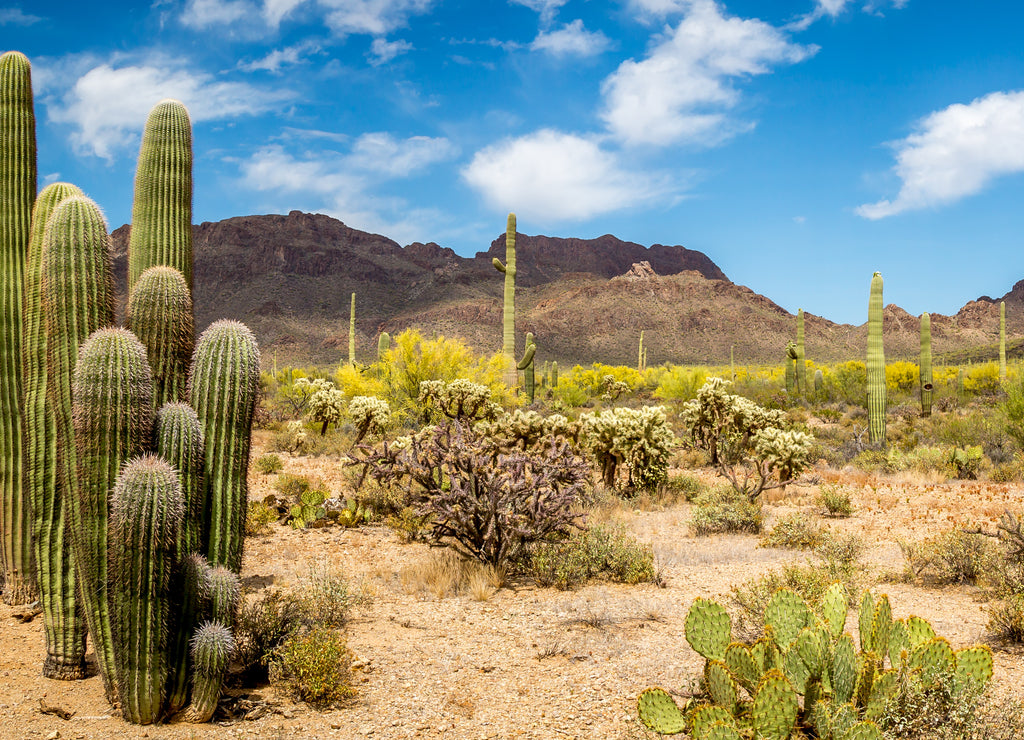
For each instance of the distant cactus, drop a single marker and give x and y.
(352, 332)
(508, 343)
(791, 355)
(161, 231)
(801, 355)
(527, 365)
(383, 345)
(640, 354)
(926, 365)
(1002, 341)
(876, 364)
(17, 193)
(554, 374)
(160, 315)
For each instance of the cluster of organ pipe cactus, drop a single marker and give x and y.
(755, 689)
(130, 435)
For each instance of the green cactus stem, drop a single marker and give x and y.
(927, 387)
(527, 366)
(1002, 341)
(63, 621)
(160, 315)
(161, 231)
(195, 581)
(508, 322)
(352, 333)
(554, 374)
(640, 354)
(178, 438)
(113, 421)
(17, 193)
(212, 648)
(801, 355)
(383, 345)
(223, 389)
(876, 364)
(791, 355)
(146, 512)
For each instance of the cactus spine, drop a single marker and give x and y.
(17, 193)
(876, 364)
(63, 622)
(147, 507)
(162, 212)
(926, 365)
(113, 422)
(160, 315)
(1002, 341)
(223, 388)
(508, 322)
(801, 355)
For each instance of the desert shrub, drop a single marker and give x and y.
(486, 502)
(982, 380)
(592, 379)
(324, 597)
(976, 427)
(258, 518)
(835, 500)
(410, 525)
(901, 376)
(795, 531)
(680, 383)
(597, 552)
(269, 463)
(681, 485)
(1011, 471)
(354, 381)
(951, 557)
(752, 596)
(722, 509)
(292, 438)
(1006, 619)
(640, 440)
(316, 666)
(848, 382)
(262, 625)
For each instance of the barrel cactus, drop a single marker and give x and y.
(876, 364)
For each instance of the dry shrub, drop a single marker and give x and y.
(795, 531)
(316, 666)
(445, 573)
(722, 509)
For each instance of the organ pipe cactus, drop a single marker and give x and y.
(352, 333)
(160, 315)
(17, 193)
(63, 622)
(508, 323)
(926, 365)
(1002, 341)
(161, 231)
(78, 299)
(876, 364)
(147, 508)
(223, 389)
(113, 422)
(801, 355)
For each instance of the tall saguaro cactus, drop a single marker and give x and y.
(17, 193)
(352, 333)
(926, 365)
(1002, 341)
(801, 355)
(528, 367)
(223, 388)
(162, 212)
(63, 621)
(508, 322)
(876, 364)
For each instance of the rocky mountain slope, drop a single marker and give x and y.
(290, 279)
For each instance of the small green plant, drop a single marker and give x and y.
(410, 525)
(795, 531)
(681, 485)
(262, 625)
(966, 462)
(310, 511)
(258, 518)
(722, 509)
(1006, 619)
(959, 557)
(835, 500)
(316, 666)
(269, 463)
(597, 552)
(324, 597)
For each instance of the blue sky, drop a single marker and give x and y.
(801, 145)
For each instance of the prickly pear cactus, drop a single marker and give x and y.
(708, 629)
(659, 712)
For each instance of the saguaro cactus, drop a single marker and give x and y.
(162, 212)
(640, 354)
(352, 333)
(147, 507)
(223, 388)
(876, 364)
(790, 367)
(554, 373)
(527, 366)
(160, 315)
(383, 345)
(17, 193)
(113, 421)
(1002, 341)
(926, 365)
(508, 323)
(801, 355)
(63, 622)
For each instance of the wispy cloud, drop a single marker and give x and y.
(572, 39)
(345, 184)
(201, 14)
(17, 17)
(822, 9)
(546, 8)
(108, 104)
(278, 59)
(383, 51)
(343, 17)
(558, 176)
(956, 152)
(684, 88)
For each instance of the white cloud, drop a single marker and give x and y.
(553, 175)
(375, 17)
(572, 39)
(342, 184)
(343, 17)
(660, 7)
(683, 88)
(200, 14)
(108, 106)
(822, 8)
(383, 51)
(17, 17)
(274, 11)
(956, 152)
(546, 8)
(276, 60)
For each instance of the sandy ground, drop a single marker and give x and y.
(527, 662)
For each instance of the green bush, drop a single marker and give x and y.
(316, 666)
(723, 509)
(258, 518)
(324, 597)
(269, 463)
(960, 557)
(752, 596)
(262, 625)
(681, 485)
(597, 552)
(835, 500)
(795, 531)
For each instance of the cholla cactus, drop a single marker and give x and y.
(460, 399)
(613, 388)
(754, 689)
(327, 404)
(370, 415)
(640, 439)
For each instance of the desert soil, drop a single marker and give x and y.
(527, 662)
